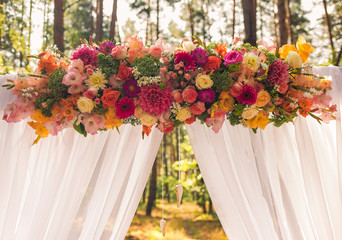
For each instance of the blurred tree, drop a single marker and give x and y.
(113, 20)
(249, 15)
(152, 193)
(99, 21)
(58, 25)
(282, 24)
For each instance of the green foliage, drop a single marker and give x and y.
(238, 109)
(222, 81)
(80, 128)
(58, 89)
(108, 65)
(147, 65)
(270, 57)
(48, 101)
(233, 119)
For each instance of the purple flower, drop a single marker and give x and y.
(106, 47)
(130, 88)
(200, 56)
(232, 58)
(88, 54)
(187, 60)
(277, 73)
(207, 95)
(248, 95)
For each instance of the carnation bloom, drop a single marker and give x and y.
(277, 73)
(130, 88)
(207, 95)
(154, 100)
(186, 59)
(233, 58)
(200, 56)
(96, 81)
(87, 54)
(248, 95)
(106, 47)
(124, 108)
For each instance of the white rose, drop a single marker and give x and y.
(183, 114)
(294, 60)
(85, 104)
(188, 46)
(249, 113)
(203, 81)
(148, 119)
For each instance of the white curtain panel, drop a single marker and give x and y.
(69, 186)
(281, 183)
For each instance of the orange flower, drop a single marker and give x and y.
(111, 120)
(261, 120)
(288, 106)
(285, 49)
(47, 63)
(190, 120)
(146, 130)
(212, 64)
(226, 102)
(221, 49)
(40, 129)
(305, 104)
(304, 49)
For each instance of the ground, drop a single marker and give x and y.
(184, 223)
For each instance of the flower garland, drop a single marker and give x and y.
(102, 87)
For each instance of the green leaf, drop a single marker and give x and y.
(80, 128)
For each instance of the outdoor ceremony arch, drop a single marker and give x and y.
(281, 183)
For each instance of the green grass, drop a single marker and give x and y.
(184, 223)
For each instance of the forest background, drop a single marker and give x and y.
(30, 26)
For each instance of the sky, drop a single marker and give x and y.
(124, 13)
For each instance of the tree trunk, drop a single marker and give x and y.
(249, 15)
(21, 53)
(153, 189)
(233, 20)
(191, 19)
(338, 57)
(211, 211)
(275, 27)
(157, 26)
(58, 27)
(99, 21)
(288, 20)
(92, 28)
(113, 22)
(283, 32)
(203, 203)
(327, 21)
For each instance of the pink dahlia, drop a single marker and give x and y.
(248, 95)
(200, 56)
(125, 108)
(106, 47)
(277, 73)
(207, 95)
(87, 54)
(186, 59)
(154, 100)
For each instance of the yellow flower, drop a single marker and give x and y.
(38, 116)
(183, 114)
(285, 49)
(294, 60)
(263, 98)
(260, 121)
(111, 120)
(40, 129)
(85, 104)
(148, 119)
(249, 113)
(304, 49)
(226, 102)
(96, 80)
(203, 81)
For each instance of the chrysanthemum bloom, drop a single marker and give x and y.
(87, 54)
(96, 81)
(200, 56)
(106, 47)
(186, 59)
(251, 61)
(124, 108)
(277, 73)
(130, 88)
(206, 95)
(154, 100)
(248, 95)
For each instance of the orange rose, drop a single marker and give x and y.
(125, 73)
(212, 64)
(263, 98)
(285, 49)
(109, 97)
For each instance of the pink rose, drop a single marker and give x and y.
(177, 96)
(283, 88)
(116, 82)
(233, 58)
(235, 90)
(90, 93)
(156, 51)
(125, 73)
(164, 116)
(166, 126)
(189, 95)
(119, 52)
(197, 108)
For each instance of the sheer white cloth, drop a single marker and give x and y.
(282, 183)
(69, 186)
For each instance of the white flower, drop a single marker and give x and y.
(188, 46)
(251, 61)
(294, 60)
(96, 81)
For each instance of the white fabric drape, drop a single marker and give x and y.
(282, 183)
(68, 186)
